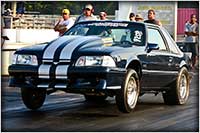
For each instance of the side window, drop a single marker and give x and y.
(155, 37)
(172, 45)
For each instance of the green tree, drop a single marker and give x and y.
(55, 7)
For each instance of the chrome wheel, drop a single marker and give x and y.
(179, 89)
(183, 86)
(126, 98)
(131, 92)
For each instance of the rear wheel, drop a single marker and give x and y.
(127, 97)
(179, 92)
(33, 98)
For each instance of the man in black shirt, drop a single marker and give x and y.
(151, 18)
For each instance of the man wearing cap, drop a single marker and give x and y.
(103, 16)
(151, 18)
(87, 14)
(64, 23)
(8, 19)
(139, 18)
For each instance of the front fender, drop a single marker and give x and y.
(131, 60)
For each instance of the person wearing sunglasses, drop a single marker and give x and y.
(87, 14)
(64, 23)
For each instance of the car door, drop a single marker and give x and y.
(156, 63)
(175, 53)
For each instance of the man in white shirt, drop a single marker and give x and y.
(64, 23)
(87, 14)
(191, 39)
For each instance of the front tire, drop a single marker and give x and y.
(33, 98)
(127, 96)
(179, 91)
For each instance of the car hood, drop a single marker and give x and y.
(33, 50)
(68, 47)
(63, 46)
(111, 50)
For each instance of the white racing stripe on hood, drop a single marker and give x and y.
(67, 51)
(51, 49)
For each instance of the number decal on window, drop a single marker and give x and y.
(138, 36)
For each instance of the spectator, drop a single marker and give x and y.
(151, 18)
(187, 21)
(103, 16)
(87, 14)
(64, 23)
(132, 17)
(8, 12)
(139, 18)
(8, 19)
(191, 31)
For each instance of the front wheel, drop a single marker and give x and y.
(127, 97)
(33, 98)
(179, 92)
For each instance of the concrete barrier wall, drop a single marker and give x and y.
(31, 36)
(6, 61)
(20, 38)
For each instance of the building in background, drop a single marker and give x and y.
(185, 9)
(166, 12)
(172, 14)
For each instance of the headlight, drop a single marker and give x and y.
(95, 61)
(24, 59)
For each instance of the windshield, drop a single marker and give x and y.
(122, 33)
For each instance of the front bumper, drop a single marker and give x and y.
(23, 70)
(97, 78)
(79, 78)
(23, 76)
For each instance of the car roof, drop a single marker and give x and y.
(120, 21)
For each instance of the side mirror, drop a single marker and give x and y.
(181, 46)
(152, 46)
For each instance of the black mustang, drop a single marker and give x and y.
(104, 58)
